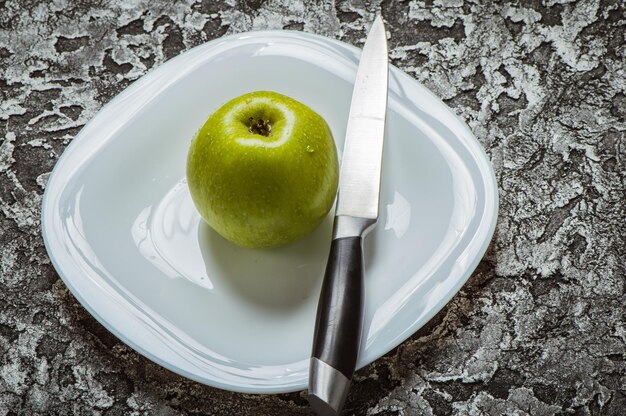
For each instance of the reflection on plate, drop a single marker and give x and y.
(123, 234)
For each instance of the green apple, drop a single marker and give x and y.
(263, 170)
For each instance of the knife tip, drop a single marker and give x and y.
(379, 26)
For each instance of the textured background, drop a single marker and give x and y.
(539, 328)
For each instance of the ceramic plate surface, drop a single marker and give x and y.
(121, 230)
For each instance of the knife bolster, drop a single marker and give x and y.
(349, 226)
(328, 388)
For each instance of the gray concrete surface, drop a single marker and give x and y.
(539, 329)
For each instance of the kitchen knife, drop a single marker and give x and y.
(339, 320)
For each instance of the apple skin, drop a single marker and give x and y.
(261, 191)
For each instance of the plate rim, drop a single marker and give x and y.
(486, 227)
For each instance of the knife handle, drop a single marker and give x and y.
(338, 327)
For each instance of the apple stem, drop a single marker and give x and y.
(261, 127)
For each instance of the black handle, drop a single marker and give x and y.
(340, 311)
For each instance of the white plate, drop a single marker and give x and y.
(121, 230)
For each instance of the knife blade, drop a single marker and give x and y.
(339, 320)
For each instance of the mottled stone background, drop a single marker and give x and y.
(540, 327)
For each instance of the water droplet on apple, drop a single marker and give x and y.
(310, 149)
